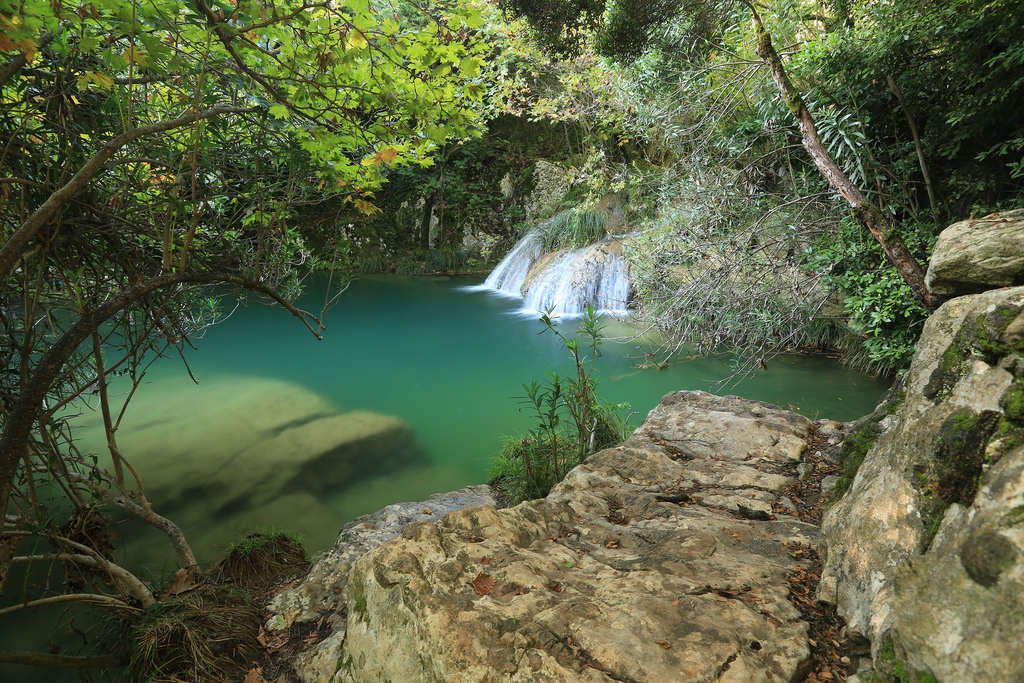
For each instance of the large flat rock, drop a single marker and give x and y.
(642, 565)
(257, 453)
(978, 254)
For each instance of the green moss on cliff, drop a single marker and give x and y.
(983, 338)
(953, 474)
(863, 434)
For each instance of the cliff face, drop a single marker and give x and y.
(926, 548)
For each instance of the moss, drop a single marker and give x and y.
(986, 555)
(357, 598)
(855, 449)
(953, 475)
(1012, 402)
(864, 433)
(981, 338)
(895, 670)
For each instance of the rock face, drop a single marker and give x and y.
(926, 548)
(665, 558)
(320, 595)
(974, 255)
(321, 592)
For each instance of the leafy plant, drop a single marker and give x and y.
(571, 422)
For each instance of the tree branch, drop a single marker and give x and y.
(22, 414)
(12, 249)
(866, 213)
(61, 661)
(93, 598)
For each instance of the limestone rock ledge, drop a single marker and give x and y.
(978, 254)
(926, 548)
(665, 558)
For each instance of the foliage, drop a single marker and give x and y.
(157, 157)
(531, 464)
(714, 169)
(572, 228)
(959, 67)
(878, 304)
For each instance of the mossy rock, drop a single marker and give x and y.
(863, 434)
(954, 472)
(985, 337)
(986, 555)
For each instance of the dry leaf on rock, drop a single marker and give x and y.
(483, 584)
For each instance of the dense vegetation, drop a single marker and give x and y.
(160, 160)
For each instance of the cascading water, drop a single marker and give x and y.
(571, 281)
(565, 283)
(509, 275)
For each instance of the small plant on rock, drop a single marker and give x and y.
(571, 424)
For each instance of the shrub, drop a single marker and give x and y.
(571, 422)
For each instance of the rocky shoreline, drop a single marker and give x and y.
(693, 551)
(687, 553)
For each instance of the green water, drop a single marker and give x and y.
(431, 369)
(447, 363)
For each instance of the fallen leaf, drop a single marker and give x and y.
(485, 560)
(255, 675)
(483, 584)
(665, 645)
(675, 603)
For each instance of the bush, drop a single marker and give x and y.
(571, 423)
(572, 228)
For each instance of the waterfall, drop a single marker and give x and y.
(565, 282)
(509, 275)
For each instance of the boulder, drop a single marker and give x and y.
(320, 594)
(924, 549)
(978, 254)
(660, 559)
(253, 448)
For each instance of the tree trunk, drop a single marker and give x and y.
(428, 213)
(918, 147)
(866, 213)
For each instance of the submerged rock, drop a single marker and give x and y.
(260, 450)
(978, 254)
(925, 549)
(660, 559)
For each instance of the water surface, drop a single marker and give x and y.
(411, 392)
(436, 369)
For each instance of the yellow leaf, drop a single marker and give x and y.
(29, 47)
(366, 208)
(386, 156)
(102, 80)
(137, 56)
(356, 39)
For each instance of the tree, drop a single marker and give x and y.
(630, 25)
(154, 151)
